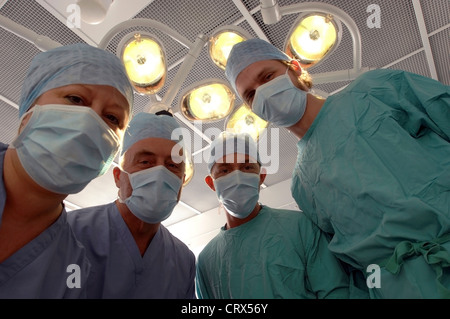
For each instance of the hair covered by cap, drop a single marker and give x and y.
(231, 143)
(78, 63)
(247, 52)
(146, 125)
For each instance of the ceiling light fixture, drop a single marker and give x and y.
(189, 59)
(145, 62)
(222, 41)
(243, 120)
(312, 38)
(207, 100)
(272, 13)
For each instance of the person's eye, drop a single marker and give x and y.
(220, 172)
(174, 166)
(75, 100)
(113, 119)
(268, 77)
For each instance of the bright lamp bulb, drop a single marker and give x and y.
(207, 102)
(313, 38)
(144, 61)
(243, 120)
(221, 45)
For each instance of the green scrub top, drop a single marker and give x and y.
(277, 254)
(373, 170)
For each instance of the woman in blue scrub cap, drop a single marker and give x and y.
(75, 105)
(373, 165)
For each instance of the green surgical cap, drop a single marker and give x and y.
(247, 52)
(78, 63)
(145, 125)
(230, 143)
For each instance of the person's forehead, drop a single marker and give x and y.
(236, 158)
(258, 66)
(157, 146)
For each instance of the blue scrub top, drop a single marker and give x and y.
(374, 171)
(50, 266)
(166, 271)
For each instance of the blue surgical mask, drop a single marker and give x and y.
(280, 102)
(238, 192)
(155, 194)
(63, 148)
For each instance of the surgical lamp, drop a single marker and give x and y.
(332, 16)
(312, 38)
(144, 59)
(244, 120)
(207, 100)
(222, 41)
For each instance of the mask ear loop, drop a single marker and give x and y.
(22, 130)
(30, 111)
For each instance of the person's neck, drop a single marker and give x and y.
(313, 107)
(29, 208)
(141, 231)
(235, 222)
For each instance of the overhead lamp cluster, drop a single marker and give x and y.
(315, 34)
(209, 100)
(313, 37)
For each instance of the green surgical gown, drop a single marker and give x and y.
(277, 254)
(373, 170)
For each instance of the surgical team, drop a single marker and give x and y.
(372, 181)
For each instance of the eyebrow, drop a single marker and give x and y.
(223, 164)
(153, 154)
(143, 153)
(125, 108)
(247, 161)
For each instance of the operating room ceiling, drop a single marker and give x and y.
(411, 35)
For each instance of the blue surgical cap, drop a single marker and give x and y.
(145, 125)
(247, 52)
(73, 64)
(230, 143)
